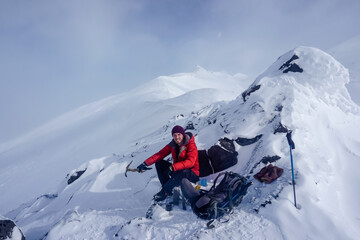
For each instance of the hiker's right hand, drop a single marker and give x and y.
(142, 167)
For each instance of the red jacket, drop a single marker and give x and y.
(186, 159)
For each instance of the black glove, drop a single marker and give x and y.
(142, 167)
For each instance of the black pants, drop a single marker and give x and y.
(167, 182)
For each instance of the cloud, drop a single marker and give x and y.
(57, 55)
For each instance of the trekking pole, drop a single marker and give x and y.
(292, 146)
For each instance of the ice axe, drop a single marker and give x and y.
(134, 169)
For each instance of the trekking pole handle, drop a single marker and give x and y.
(290, 141)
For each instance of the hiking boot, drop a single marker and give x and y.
(160, 196)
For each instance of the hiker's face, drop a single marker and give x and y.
(178, 138)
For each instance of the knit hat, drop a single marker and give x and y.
(178, 129)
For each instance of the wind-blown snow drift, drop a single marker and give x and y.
(303, 91)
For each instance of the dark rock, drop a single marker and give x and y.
(291, 67)
(268, 159)
(278, 108)
(280, 129)
(189, 126)
(266, 203)
(250, 91)
(273, 119)
(247, 141)
(265, 160)
(51, 196)
(225, 128)
(7, 228)
(75, 176)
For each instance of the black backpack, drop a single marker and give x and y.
(222, 198)
(217, 158)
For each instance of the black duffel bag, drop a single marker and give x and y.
(218, 157)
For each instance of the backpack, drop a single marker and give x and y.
(222, 198)
(217, 158)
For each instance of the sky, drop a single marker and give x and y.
(58, 55)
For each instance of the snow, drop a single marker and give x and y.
(348, 54)
(102, 138)
(108, 126)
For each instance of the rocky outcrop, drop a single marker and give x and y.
(9, 230)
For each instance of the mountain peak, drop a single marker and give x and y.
(164, 87)
(304, 67)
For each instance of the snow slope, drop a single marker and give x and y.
(35, 164)
(318, 107)
(303, 91)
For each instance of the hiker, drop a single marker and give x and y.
(185, 162)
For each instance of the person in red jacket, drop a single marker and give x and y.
(185, 162)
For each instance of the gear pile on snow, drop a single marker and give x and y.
(220, 199)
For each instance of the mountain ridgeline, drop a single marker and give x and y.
(303, 91)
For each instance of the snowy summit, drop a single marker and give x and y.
(66, 180)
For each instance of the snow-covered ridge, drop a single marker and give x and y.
(305, 94)
(316, 105)
(161, 88)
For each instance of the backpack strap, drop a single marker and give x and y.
(230, 190)
(213, 207)
(223, 173)
(236, 179)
